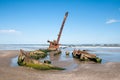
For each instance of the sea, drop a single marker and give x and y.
(106, 53)
(22, 46)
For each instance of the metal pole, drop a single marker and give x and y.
(59, 35)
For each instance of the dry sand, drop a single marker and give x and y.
(108, 71)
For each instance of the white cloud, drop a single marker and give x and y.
(10, 31)
(112, 21)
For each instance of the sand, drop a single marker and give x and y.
(108, 71)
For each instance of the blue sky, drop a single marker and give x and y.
(36, 21)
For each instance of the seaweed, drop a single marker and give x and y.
(45, 50)
(43, 66)
(38, 54)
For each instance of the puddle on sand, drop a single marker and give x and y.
(14, 62)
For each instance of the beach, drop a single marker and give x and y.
(107, 71)
(59, 40)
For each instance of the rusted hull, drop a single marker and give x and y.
(85, 56)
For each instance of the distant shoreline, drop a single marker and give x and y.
(45, 46)
(111, 45)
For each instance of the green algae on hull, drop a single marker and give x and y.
(44, 67)
(45, 50)
(38, 54)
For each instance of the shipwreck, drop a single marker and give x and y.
(31, 58)
(85, 56)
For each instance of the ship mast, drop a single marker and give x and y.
(59, 35)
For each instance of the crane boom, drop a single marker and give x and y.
(59, 35)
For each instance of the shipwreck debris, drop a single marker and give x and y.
(47, 61)
(25, 60)
(67, 52)
(85, 56)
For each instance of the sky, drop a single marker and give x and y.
(36, 21)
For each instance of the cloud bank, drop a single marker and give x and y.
(110, 21)
(10, 31)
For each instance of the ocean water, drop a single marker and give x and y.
(22, 46)
(107, 54)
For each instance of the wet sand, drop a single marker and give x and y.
(108, 71)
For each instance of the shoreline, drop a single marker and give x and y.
(107, 71)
